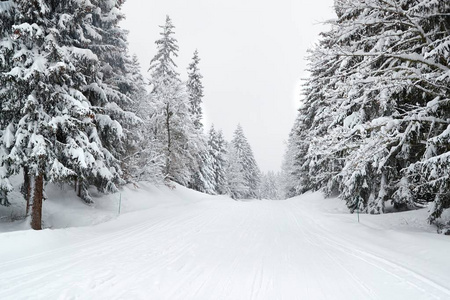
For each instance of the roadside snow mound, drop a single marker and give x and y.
(63, 209)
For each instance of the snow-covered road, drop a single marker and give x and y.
(216, 248)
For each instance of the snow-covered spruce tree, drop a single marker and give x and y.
(247, 162)
(9, 110)
(51, 81)
(203, 176)
(115, 91)
(237, 186)
(310, 162)
(218, 153)
(203, 179)
(142, 161)
(172, 125)
(294, 169)
(195, 91)
(379, 95)
(5, 185)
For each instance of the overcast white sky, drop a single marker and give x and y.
(252, 57)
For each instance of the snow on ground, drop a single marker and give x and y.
(180, 244)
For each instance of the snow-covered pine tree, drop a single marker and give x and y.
(53, 86)
(9, 110)
(221, 162)
(244, 157)
(237, 186)
(203, 177)
(218, 153)
(38, 77)
(111, 94)
(295, 166)
(195, 91)
(376, 103)
(172, 126)
(162, 63)
(5, 185)
(142, 161)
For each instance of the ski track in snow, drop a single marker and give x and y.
(216, 250)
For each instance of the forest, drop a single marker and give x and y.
(75, 109)
(373, 127)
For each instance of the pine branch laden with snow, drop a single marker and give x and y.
(376, 110)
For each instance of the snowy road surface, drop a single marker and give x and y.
(216, 248)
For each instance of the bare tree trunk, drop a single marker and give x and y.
(36, 214)
(169, 145)
(27, 188)
(83, 191)
(79, 187)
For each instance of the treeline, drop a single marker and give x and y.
(374, 126)
(75, 109)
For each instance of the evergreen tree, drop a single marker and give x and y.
(122, 81)
(142, 160)
(203, 177)
(244, 156)
(294, 169)
(237, 186)
(162, 66)
(5, 185)
(56, 100)
(218, 154)
(9, 110)
(195, 91)
(110, 94)
(171, 122)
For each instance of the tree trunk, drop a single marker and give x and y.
(83, 193)
(36, 214)
(169, 141)
(79, 187)
(27, 188)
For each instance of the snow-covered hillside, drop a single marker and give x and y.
(181, 244)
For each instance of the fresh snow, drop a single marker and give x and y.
(181, 244)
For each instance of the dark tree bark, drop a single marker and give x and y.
(27, 188)
(79, 187)
(36, 213)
